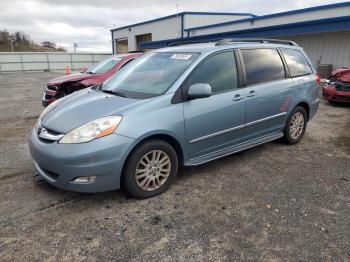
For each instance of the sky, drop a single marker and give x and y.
(88, 22)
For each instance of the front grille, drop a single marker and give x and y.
(54, 88)
(48, 136)
(47, 97)
(342, 86)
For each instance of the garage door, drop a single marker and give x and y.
(122, 46)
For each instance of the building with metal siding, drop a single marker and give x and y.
(169, 27)
(323, 31)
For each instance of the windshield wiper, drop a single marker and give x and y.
(113, 92)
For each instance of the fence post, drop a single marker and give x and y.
(71, 61)
(22, 66)
(48, 62)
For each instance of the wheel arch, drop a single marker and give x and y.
(161, 136)
(306, 106)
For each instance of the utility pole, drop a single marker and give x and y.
(75, 45)
(177, 18)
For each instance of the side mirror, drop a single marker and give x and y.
(200, 90)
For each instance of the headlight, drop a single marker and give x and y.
(95, 129)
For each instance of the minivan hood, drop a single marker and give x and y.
(82, 107)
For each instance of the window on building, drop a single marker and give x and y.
(297, 63)
(219, 71)
(262, 65)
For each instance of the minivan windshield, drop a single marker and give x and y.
(150, 75)
(103, 66)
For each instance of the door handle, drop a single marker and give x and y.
(251, 94)
(237, 97)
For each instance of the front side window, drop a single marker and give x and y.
(262, 65)
(219, 71)
(297, 63)
(150, 75)
(103, 66)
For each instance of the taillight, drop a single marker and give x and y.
(318, 79)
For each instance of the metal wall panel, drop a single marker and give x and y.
(10, 58)
(81, 58)
(169, 28)
(30, 57)
(38, 61)
(195, 20)
(271, 21)
(59, 57)
(59, 65)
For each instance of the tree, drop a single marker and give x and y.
(61, 49)
(4, 37)
(48, 44)
(22, 41)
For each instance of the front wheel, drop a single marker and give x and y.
(295, 126)
(150, 169)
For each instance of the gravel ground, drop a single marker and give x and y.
(270, 203)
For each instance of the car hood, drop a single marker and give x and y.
(82, 107)
(342, 74)
(69, 78)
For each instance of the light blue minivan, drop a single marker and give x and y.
(177, 106)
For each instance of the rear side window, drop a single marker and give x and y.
(297, 63)
(219, 71)
(262, 65)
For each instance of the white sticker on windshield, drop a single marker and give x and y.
(181, 56)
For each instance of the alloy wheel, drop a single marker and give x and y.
(153, 170)
(297, 125)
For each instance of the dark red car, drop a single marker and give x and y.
(337, 87)
(95, 74)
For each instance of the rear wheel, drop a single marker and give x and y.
(150, 169)
(295, 126)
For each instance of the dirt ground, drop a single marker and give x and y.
(270, 203)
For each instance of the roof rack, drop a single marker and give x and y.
(186, 43)
(229, 41)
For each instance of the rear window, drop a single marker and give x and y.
(262, 65)
(103, 66)
(297, 63)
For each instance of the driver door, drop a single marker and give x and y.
(216, 122)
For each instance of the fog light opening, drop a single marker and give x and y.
(84, 179)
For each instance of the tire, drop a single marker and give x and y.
(294, 135)
(143, 175)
